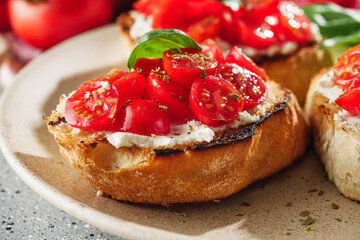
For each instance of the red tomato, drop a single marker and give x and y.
(228, 30)
(46, 23)
(198, 9)
(93, 107)
(169, 14)
(350, 100)
(4, 19)
(130, 86)
(214, 101)
(205, 28)
(212, 50)
(145, 6)
(256, 36)
(295, 24)
(145, 65)
(185, 65)
(347, 69)
(236, 55)
(256, 10)
(144, 117)
(159, 87)
(110, 77)
(251, 87)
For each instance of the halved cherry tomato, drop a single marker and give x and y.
(256, 10)
(110, 77)
(212, 50)
(169, 14)
(202, 29)
(228, 30)
(251, 87)
(346, 53)
(347, 69)
(350, 100)
(145, 65)
(144, 117)
(145, 6)
(259, 36)
(236, 55)
(159, 87)
(185, 65)
(93, 107)
(130, 86)
(214, 101)
(198, 9)
(295, 24)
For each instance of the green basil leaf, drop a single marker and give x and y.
(337, 25)
(154, 43)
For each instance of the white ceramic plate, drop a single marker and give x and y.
(274, 207)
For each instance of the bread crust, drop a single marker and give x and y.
(189, 174)
(295, 70)
(337, 145)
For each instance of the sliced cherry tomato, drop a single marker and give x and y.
(145, 65)
(93, 107)
(251, 87)
(145, 6)
(347, 69)
(228, 30)
(236, 55)
(345, 54)
(198, 9)
(130, 86)
(185, 65)
(295, 23)
(255, 35)
(258, 8)
(110, 77)
(214, 101)
(169, 14)
(159, 87)
(144, 117)
(350, 100)
(212, 50)
(207, 27)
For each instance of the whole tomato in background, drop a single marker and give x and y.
(4, 22)
(44, 23)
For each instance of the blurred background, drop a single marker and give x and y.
(28, 27)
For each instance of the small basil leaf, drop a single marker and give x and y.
(154, 43)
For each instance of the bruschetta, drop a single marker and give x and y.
(191, 126)
(332, 110)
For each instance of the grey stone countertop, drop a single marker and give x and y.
(25, 215)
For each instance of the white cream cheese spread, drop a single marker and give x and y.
(326, 87)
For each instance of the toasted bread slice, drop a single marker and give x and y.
(294, 70)
(337, 141)
(195, 172)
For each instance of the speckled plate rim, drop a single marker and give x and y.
(87, 214)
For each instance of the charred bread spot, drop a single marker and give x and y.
(91, 145)
(231, 135)
(166, 151)
(59, 120)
